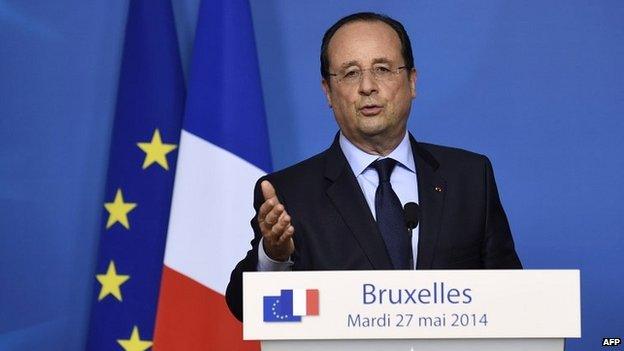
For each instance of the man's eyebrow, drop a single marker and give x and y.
(357, 63)
(349, 64)
(381, 60)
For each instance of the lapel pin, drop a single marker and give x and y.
(438, 189)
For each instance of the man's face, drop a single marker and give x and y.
(369, 109)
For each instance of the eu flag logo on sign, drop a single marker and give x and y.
(280, 308)
(291, 305)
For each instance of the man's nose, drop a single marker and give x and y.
(368, 84)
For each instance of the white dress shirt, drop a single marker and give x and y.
(403, 181)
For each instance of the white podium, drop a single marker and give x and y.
(412, 310)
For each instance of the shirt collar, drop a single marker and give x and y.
(360, 160)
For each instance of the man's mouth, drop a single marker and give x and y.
(371, 109)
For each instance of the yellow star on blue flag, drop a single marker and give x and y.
(135, 343)
(111, 282)
(156, 151)
(118, 210)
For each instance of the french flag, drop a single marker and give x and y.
(224, 149)
(306, 302)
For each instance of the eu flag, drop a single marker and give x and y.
(280, 308)
(143, 154)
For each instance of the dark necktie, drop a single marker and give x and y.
(390, 218)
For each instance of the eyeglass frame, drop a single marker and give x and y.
(395, 72)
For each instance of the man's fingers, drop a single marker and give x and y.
(273, 216)
(266, 208)
(269, 205)
(267, 190)
(275, 224)
(288, 234)
(282, 223)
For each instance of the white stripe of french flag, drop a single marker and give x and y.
(305, 302)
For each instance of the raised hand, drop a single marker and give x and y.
(277, 230)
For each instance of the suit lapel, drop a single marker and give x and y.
(346, 195)
(431, 194)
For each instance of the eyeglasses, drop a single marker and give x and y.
(380, 74)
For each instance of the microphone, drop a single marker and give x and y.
(411, 215)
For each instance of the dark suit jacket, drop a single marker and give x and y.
(462, 224)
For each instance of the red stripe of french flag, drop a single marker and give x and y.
(305, 302)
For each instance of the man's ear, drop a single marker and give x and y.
(413, 77)
(327, 90)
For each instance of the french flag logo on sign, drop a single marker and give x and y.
(291, 305)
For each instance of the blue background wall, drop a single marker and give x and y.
(537, 86)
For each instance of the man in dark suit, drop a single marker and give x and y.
(342, 209)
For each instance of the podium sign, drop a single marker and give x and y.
(437, 304)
